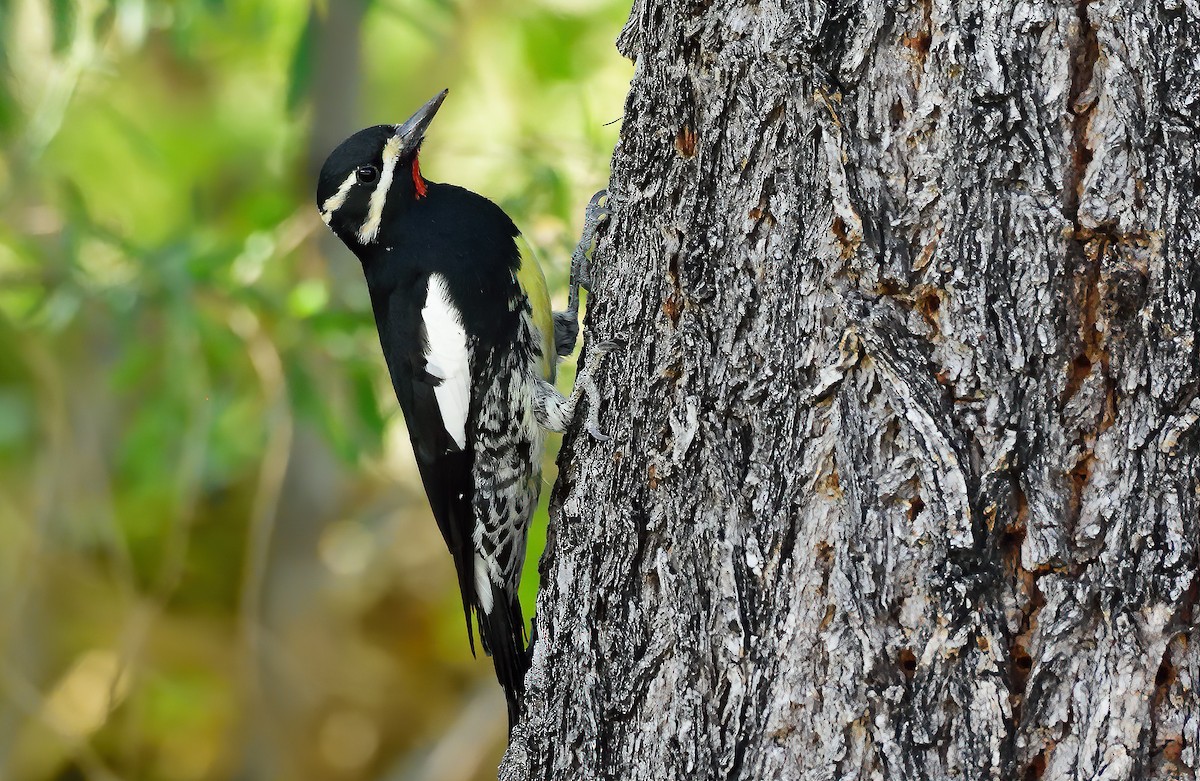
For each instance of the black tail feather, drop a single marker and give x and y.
(502, 634)
(446, 478)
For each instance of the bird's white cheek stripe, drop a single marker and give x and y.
(334, 202)
(447, 358)
(391, 156)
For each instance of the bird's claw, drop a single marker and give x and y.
(595, 215)
(566, 323)
(597, 210)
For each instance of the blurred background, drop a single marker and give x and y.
(216, 560)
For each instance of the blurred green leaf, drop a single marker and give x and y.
(308, 297)
(16, 417)
(8, 105)
(104, 21)
(62, 19)
(300, 72)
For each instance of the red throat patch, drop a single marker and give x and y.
(418, 182)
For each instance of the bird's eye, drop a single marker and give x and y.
(366, 174)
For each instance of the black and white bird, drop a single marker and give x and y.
(471, 344)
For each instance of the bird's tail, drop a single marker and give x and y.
(502, 633)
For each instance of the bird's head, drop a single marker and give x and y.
(373, 170)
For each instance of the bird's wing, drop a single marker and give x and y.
(533, 284)
(447, 358)
(435, 395)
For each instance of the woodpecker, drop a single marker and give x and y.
(471, 344)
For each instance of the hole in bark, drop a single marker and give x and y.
(908, 662)
(849, 241)
(839, 229)
(1012, 538)
(928, 304)
(1172, 749)
(914, 508)
(1079, 480)
(1164, 679)
(1036, 768)
(685, 142)
(1081, 367)
(1022, 664)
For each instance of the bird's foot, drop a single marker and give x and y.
(596, 214)
(566, 323)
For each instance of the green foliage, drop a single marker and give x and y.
(215, 556)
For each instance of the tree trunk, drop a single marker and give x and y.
(903, 481)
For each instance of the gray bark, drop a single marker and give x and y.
(903, 478)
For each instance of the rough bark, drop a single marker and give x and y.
(903, 478)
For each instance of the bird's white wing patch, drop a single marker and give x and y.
(447, 358)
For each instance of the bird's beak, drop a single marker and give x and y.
(412, 132)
